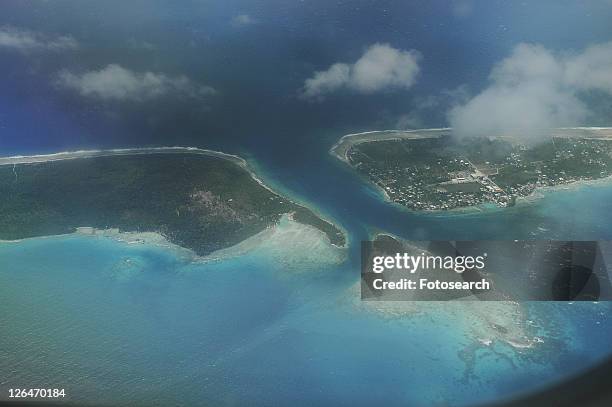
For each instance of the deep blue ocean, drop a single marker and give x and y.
(282, 323)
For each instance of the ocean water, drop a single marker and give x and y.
(275, 321)
(278, 323)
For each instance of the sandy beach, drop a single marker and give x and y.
(341, 148)
(70, 155)
(583, 132)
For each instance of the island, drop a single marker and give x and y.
(198, 199)
(432, 170)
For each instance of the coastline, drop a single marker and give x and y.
(286, 230)
(141, 238)
(277, 240)
(280, 190)
(154, 239)
(343, 145)
(241, 162)
(587, 132)
(539, 192)
(488, 207)
(71, 155)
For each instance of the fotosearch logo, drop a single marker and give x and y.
(411, 263)
(485, 270)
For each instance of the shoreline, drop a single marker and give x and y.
(343, 145)
(76, 154)
(281, 190)
(488, 207)
(129, 238)
(241, 162)
(539, 192)
(287, 230)
(158, 240)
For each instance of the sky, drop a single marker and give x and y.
(248, 75)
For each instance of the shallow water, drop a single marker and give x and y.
(278, 322)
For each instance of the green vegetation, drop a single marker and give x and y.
(200, 202)
(444, 173)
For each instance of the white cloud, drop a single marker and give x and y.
(242, 20)
(114, 82)
(534, 90)
(337, 76)
(30, 41)
(381, 67)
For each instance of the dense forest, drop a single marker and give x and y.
(200, 202)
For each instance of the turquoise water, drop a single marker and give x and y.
(277, 323)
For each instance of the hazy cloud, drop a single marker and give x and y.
(424, 108)
(381, 67)
(30, 41)
(534, 90)
(114, 82)
(591, 69)
(242, 20)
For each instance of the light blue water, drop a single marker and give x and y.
(139, 324)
